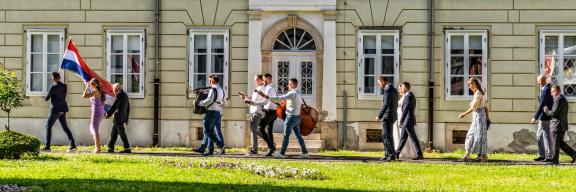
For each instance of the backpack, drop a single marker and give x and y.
(201, 95)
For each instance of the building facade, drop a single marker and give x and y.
(336, 48)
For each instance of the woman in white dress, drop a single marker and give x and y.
(408, 150)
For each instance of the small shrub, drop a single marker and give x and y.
(13, 145)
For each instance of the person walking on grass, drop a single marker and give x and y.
(292, 122)
(476, 138)
(58, 109)
(267, 123)
(121, 111)
(543, 135)
(388, 116)
(407, 121)
(256, 103)
(559, 126)
(213, 116)
(96, 95)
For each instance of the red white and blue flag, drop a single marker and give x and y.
(74, 62)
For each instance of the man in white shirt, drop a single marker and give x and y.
(267, 123)
(213, 112)
(256, 103)
(292, 122)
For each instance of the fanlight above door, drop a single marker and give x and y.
(294, 39)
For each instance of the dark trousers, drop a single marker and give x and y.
(558, 143)
(210, 121)
(118, 129)
(208, 143)
(387, 139)
(266, 127)
(409, 131)
(60, 116)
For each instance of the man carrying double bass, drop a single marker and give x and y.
(292, 122)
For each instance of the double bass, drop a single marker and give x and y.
(308, 116)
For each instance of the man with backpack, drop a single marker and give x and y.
(212, 117)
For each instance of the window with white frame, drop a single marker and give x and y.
(378, 54)
(466, 56)
(44, 49)
(558, 59)
(125, 58)
(208, 55)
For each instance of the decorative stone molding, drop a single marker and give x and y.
(330, 15)
(254, 15)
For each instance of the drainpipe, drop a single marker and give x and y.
(156, 133)
(345, 121)
(431, 75)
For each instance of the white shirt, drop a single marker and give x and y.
(218, 104)
(270, 91)
(257, 102)
(293, 101)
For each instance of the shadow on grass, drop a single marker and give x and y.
(121, 185)
(43, 157)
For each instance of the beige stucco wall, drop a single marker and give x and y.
(513, 28)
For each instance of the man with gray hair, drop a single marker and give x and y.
(543, 134)
(121, 111)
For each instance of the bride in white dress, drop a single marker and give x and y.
(408, 151)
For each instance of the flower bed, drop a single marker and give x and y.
(262, 170)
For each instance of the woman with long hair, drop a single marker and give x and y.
(96, 95)
(476, 138)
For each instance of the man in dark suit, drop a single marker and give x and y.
(121, 111)
(543, 135)
(388, 116)
(58, 109)
(559, 125)
(408, 121)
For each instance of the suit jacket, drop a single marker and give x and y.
(390, 103)
(408, 106)
(120, 108)
(57, 97)
(545, 99)
(559, 114)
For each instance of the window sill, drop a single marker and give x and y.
(369, 98)
(458, 98)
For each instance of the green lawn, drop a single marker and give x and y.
(105, 172)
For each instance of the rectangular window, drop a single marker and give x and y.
(208, 55)
(125, 60)
(558, 59)
(466, 56)
(378, 54)
(44, 49)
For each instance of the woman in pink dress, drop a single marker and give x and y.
(96, 95)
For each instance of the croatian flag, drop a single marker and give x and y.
(74, 62)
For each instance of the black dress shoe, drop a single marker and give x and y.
(110, 151)
(384, 159)
(125, 151)
(419, 158)
(573, 159)
(539, 159)
(269, 153)
(547, 160)
(552, 163)
(197, 151)
(207, 154)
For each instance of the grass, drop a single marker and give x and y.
(105, 172)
